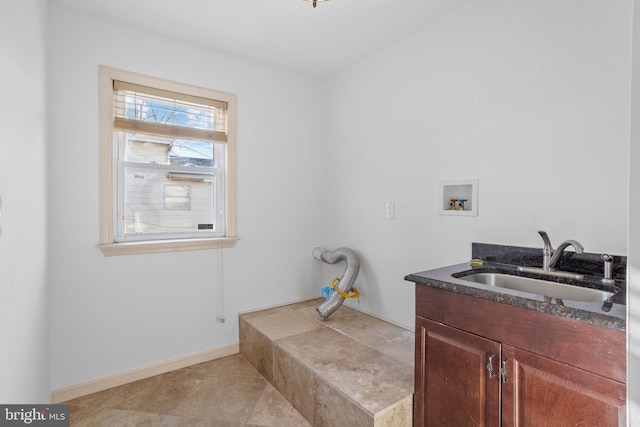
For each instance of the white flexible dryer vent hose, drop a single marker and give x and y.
(346, 281)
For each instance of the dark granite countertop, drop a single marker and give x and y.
(611, 315)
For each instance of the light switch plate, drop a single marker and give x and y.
(391, 210)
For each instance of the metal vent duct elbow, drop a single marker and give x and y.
(346, 281)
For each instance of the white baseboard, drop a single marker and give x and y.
(99, 384)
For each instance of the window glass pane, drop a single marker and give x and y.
(161, 202)
(177, 196)
(145, 148)
(191, 153)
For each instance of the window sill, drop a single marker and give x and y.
(161, 246)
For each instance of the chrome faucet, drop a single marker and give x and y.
(550, 256)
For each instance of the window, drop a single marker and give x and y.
(167, 165)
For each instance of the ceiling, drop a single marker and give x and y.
(288, 34)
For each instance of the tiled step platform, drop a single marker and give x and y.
(350, 370)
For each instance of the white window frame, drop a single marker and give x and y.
(108, 152)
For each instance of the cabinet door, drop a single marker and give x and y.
(453, 384)
(544, 393)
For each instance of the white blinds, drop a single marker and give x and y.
(160, 112)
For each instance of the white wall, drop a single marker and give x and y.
(529, 97)
(24, 295)
(113, 314)
(633, 317)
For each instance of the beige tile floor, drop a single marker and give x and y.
(227, 392)
(230, 392)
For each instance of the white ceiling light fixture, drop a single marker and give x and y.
(315, 2)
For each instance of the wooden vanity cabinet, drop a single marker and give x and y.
(452, 388)
(482, 363)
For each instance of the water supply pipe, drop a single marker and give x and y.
(346, 281)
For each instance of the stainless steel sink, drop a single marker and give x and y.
(540, 287)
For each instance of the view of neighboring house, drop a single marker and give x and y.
(178, 196)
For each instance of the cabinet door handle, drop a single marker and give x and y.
(490, 367)
(503, 371)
